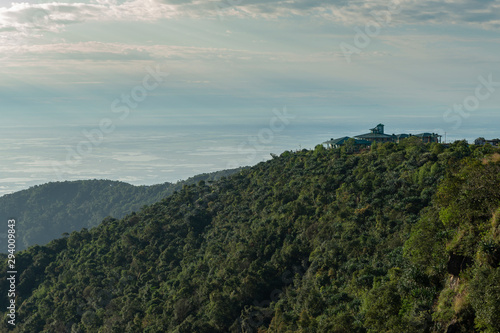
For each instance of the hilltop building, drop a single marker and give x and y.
(377, 135)
(483, 141)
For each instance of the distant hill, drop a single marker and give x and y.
(401, 238)
(45, 212)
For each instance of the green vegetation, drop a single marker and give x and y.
(47, 211)
(403, 238)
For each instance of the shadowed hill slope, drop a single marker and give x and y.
(45, 212)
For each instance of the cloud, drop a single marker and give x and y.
(36, 54)
(484, 13)
(134, 157)
(32, 19)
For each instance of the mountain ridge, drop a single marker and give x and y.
(44, 212)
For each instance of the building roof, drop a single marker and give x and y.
(338, 141)
(373, 136)
(377, 127)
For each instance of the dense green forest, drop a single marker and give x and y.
(45, 212)
(401, 238)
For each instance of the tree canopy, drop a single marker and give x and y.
(401, 238)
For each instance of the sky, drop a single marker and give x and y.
(159, 90)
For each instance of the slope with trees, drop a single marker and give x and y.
(45, 212)
(402, 238)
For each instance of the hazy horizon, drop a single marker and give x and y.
(159, 154)
(161, 90)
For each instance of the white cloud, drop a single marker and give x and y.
(37, 54)
(34, 19)
(134, 157)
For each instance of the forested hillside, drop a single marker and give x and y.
(402, 238)
(45, 212)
